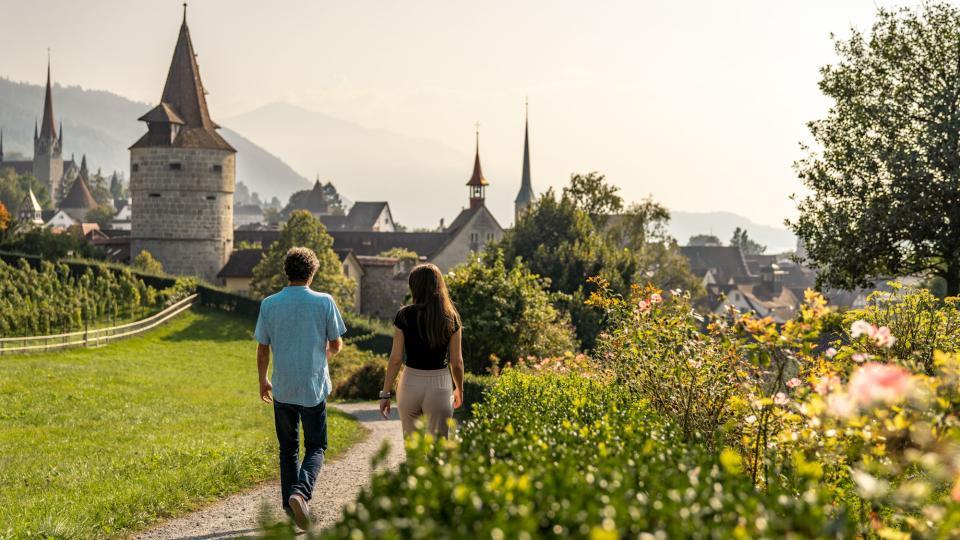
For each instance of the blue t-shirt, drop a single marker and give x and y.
(297, 323)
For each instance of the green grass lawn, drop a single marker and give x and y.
(102, 442)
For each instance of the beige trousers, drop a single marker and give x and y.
(425, 392)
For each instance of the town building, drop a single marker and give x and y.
(79, 200)
(30, 210)
(47, 164)
(182, 176)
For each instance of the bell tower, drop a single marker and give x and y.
(47, 148)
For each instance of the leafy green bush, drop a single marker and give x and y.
(507, 314)
(474, 388)
(362, 382)
(367, 333)
(553, 456)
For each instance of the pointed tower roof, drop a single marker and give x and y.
(184, 100)
(48, 130)
(79, 197)
(30, 202)
(477, 179)
(526, 194)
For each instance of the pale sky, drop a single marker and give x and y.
(701, 104)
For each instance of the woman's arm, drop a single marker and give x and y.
(456, 368)
(393, 367)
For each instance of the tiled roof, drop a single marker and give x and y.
(184, 101)
(79, 196)
(726, 262)
(241, 263)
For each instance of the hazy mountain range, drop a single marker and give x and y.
(103, 125)
(364, 164)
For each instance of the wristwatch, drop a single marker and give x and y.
(385, 395)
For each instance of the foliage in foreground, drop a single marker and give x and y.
(98, 443)
(872, 420)
(561, 456)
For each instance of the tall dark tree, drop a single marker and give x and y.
(746, 244)
(704, 240)
(885, 175)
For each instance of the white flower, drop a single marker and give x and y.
(862, 328)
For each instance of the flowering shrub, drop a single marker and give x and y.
(561, 456)
(920, 324)
(654, 347)
(567, 363)
(872, 419)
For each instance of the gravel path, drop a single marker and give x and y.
(339, 482)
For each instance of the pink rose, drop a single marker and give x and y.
(780, 398)
(874, 382)
(824, 385)
(655, 298)
(643, 306)
(862, 328)
(883, 337)
(861, 357)
(830, 353)
(793, 383)
(840, 404)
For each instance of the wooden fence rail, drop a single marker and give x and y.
(95, 337)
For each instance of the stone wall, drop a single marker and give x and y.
(382, 290)
(183, 208)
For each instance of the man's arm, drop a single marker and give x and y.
(263, 361)
(333, 347)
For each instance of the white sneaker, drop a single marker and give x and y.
(301, 511)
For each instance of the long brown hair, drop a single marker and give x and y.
(437, 319)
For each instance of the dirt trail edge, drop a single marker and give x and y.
(339, 482)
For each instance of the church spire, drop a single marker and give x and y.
(526, 194)
(477, 182)
(48, 129)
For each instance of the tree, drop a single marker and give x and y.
(885, 182)
(49, 245)
(593, 195)
(704, 240)
(304, 230)
(747, 246)
(401, 253)
(14, 188)
(561, 240)
(145, 261)
(4, 218)
(117, 189)
(101, 215)
(507, 314)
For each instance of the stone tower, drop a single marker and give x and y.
(526, 196)
(47, 148)
(182, 176)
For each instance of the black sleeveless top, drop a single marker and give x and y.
(419, 354)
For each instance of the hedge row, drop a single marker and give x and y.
(561, 456)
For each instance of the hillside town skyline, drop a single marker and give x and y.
(634, 157)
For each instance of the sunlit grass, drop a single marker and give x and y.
(100, 442)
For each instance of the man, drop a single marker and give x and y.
(301, 327)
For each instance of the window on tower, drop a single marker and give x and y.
(175, 166)
(218, 168)
(154, 195)
(211, 197)
(135, 167)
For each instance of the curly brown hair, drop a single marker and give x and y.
(300, 264)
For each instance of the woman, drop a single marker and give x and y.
(427, 341)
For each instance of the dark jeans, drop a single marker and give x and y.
(294, 476)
